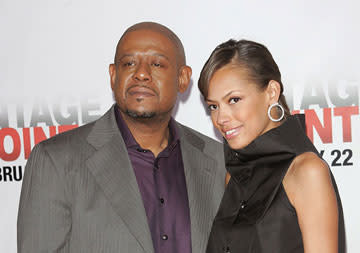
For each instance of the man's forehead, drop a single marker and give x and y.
(150, 26)
(146, 41)
(146, 34)
(145, 29)
(149, 36)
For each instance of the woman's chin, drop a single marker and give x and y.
(236, 144)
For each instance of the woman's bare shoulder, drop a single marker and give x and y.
(307, 174)
(308, 167)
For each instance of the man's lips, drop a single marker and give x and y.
(141, 91)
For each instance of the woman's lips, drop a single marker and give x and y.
(231, 133)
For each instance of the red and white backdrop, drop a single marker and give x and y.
(54, 58)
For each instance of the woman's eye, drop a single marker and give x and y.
(212, 107)
(234, 100)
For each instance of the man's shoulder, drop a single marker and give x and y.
(74, 135)
(195, 137)
(190, 131)
(212, 149)
(77, 136)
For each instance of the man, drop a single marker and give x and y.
(135, 180)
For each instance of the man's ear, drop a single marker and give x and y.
(112, 73)
(184, 78)
(273, 90)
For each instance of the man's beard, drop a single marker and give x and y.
(140, 115)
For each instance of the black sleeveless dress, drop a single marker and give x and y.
(255, 214)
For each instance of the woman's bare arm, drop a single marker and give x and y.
(227, 178)
(310, 190)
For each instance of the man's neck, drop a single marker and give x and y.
(152, 134)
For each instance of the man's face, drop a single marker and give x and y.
(145, 77)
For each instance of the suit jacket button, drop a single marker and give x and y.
(164, 237)
(226, 249)
(243, 204)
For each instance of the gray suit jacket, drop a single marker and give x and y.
(80, 193)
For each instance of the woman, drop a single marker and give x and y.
(280, 196)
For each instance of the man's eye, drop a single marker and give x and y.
(156, 64)
(129, 64)
(212, 107)
(234, 100)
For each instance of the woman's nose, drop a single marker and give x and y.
(223, 116)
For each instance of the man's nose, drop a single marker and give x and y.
(143, 73)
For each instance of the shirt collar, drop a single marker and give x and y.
(129, 138)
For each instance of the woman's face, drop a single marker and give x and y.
(238, 107)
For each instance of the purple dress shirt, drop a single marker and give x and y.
(162, 185)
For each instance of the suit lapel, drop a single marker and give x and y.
(113, 172)
(200, 174)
